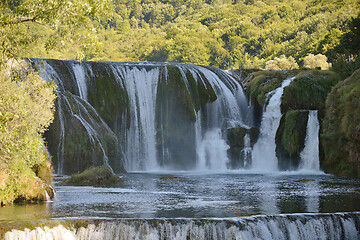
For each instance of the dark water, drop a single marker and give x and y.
(145, 195)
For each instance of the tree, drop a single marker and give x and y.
(281, 63)
(26, 110)
(26, 100)
(316, 61)
(24, 22)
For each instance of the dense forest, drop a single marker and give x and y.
(221, 33)
(267, 34)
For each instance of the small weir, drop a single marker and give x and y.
(281, 227)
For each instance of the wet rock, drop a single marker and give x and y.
(290, 139)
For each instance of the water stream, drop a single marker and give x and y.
(195, 203)
(310, 154)
(263, 155)
(169, 121)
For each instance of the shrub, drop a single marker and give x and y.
(318, 61)
(281, 63)
(26, 110)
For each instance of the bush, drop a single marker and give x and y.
(308, 91)
(282, 63)
(26, 110)
(346, 64)
(318, 61)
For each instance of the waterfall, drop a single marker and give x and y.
(263, 155)
(293, 226)
(141, 86)
(163, 115)
(246, 152)
(212, 151)
(310, 154)
(81, 79)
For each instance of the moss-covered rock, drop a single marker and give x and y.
(80, 138)
(175, 114)
(263, 82)
(308, 91)
(106, 96)
(290, 139)
(95, 176)
(180, 95)
(340, 137)
(235, 138)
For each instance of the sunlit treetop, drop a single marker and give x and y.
(24, 23)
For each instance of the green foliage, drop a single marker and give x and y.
(318, 61)
(308, 91)
(290, 138)
(281, 63)
(347, 50)
(218, 33)
(263, 82)
(96, 176)
(346, 64)
(26, 110)
(24, 22)
(341, 129)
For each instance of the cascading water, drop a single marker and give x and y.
(296, 227)
(263, 155)
(246, 152)
(169, 116)
(212, 151)
(141, 86)
(310, 154)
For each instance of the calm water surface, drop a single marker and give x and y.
(145, 195)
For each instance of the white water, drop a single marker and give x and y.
(141, 86)
(263, 155)
(310, 153)
(293, 227)
(81, 79)
(212, 151)
(247, 151)
(228, 111)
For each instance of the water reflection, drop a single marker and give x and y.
(198, 195)
(26, 211)
(312, 196)
(267, 197)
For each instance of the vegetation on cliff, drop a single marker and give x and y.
(261, 83)
(341, 128)
(308, 91)
(290, 138)
(26, 100)
(26, 110)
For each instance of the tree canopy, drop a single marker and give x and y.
(26, 25)
(26, 100)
